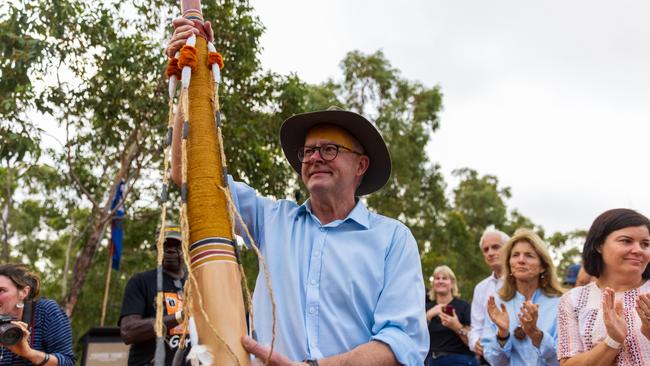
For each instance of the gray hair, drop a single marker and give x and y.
(492, 230)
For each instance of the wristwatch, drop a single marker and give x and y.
(611, 343)
(502, 341)
(311, 362)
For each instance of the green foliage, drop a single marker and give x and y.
(99, 71)
(96, 70)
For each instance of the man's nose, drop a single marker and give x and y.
(316, 156)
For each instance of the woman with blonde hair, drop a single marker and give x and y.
(524, 317)
(449, 318)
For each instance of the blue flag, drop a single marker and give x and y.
(117, 228)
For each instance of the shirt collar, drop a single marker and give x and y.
(533, 299)
(359, 214)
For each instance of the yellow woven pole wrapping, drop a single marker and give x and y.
(212, 264)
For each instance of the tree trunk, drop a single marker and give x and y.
(100, 221)
(66, 266)
(84, 260)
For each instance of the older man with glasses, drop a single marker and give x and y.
(347, 281)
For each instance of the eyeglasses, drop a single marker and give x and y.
(328, 152)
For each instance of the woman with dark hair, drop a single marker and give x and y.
(449, 318)
(524, 317)
(607, 322)
(46, 334)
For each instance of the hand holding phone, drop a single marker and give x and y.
(448, 309)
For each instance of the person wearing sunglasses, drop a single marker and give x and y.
(523, 327)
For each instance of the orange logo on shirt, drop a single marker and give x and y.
(173, 303)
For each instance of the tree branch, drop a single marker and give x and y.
(80, 186)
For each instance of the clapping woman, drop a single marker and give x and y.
(607, 322)
(524, 316)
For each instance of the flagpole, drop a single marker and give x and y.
(108, 284)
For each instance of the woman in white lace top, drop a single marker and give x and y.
(607, 322)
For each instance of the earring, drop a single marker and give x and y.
(542, 275)
(20, 305)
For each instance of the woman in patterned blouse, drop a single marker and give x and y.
(607, 322)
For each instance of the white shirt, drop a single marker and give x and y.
(482, 292)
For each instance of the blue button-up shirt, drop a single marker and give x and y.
(336, 286)
(523, 352)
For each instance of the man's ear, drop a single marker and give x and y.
(364, 164)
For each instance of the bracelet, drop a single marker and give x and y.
(313, 362)
(504, 338)
(462, 331)
(611, 343)
(45, 359)
(179, 316)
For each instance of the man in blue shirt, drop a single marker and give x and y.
(347, 282)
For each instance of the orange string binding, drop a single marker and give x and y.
(173, 69)
(188, 57)
(215, 57)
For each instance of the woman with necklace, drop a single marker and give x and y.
(607, 322)
(449, 318)
(524, 317)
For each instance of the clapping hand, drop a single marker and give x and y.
(643, 309)
(499, 317)
(613, 316)
(528, 315)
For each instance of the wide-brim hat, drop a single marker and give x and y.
(295, 128)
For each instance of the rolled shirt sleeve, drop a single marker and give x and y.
(399, 318)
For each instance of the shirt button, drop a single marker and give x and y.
(316, 253)
(321, 229)
(313, 282)
(312, 310)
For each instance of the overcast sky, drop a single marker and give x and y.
(552, 97)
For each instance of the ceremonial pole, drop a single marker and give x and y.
(216, 302)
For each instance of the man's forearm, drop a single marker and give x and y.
(373, 353)
(137, 331)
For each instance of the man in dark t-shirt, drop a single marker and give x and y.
(139, 306)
